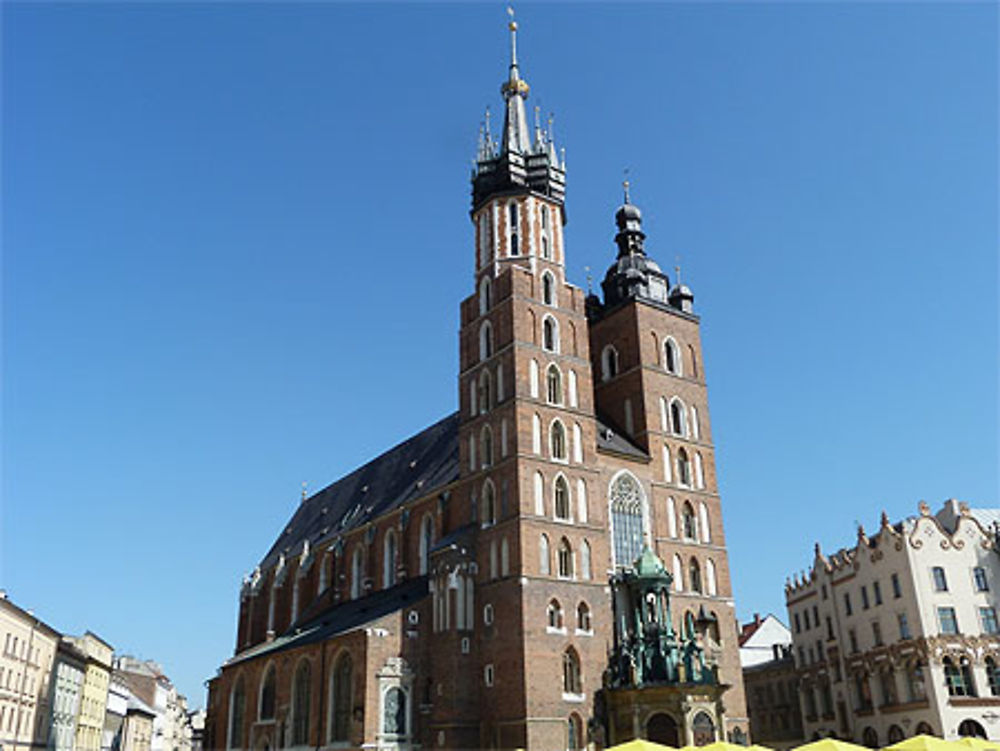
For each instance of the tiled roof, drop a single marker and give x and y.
(343, 617)
(414, 468)
(611, 439)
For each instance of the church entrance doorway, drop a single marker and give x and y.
(662, 728)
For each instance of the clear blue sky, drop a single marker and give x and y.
(235, 238)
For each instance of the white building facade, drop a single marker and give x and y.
(898, 635)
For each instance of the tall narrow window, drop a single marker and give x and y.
(341, 698)
(546, 242)
(237, 708)
(533, 379)
(565, 559)
(266, 709)
(504, 558)
(678, 574)
(993, 676)
(695, 570)
(678, 423)
(585, 560)
(561, 497)
(609, 363)
(940, 582)
(536, 434)
(426, 542)
(512, 229)
(572, 683)
(683, 468)
(671, 357)
(695, 426)
(706, 534)
(583, 617)
(573, 401)
(389, 559)
(485, 295)
(667, 473)
(548, 289)
(711, 583)
(557, 440)
(484, 397)
(494, 560)
(489, 504)
(627, 519)
(699, 471)
(577, 443)
(553, 379)
(550, 334)
(690, 526)
(301, 699)
(543, 555)
(671, 517)
(539, 484)
(356, 574)
(979, 579)
(485, 340)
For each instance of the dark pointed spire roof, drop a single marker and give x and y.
(516, 161)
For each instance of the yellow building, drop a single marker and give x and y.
(94, 693)
(27, 647)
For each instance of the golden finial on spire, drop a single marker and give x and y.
(625, 184)
(513, 24)
(677, 269)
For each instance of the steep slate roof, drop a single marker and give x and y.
(615, 441)
(343, 617)
(411, 470)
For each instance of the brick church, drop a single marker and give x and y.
(456, 592)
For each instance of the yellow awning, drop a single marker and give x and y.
(979, 744)
(928, 743)
(831, 744)
(641, 745)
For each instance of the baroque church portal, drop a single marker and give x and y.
(546, 567)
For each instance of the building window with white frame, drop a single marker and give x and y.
(947, 620)
(678, 419)
(979, 579)
(583, 618)
(485, 340)
(550, 334)
(565, 559)
(553, 382)
(554, 616)
(988, 618)
(557, 440)
(485, 295)
(671, 356)
(572, 680)
(513, 239)
(560, 494)
(548, 288)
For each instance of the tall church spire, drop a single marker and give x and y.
(515, 90)
(516, 161)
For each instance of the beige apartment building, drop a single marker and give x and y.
(28, 647)
(94, 692)
(897, 634)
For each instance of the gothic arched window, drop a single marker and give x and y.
(485, 295)
(671, 356)
(485, 340)
(266, 709)
(565, 559)
(301, 694)
(341, 698)
(683, 468)
(609, 363)
(627, 519)
(485, 392)
(678, 423)
(572, 681)
(574, 732)
(554, 615)
(426, 542)
(512, 228)
(689, 525)
(553, 379)
(543, 555)
(561, 498)
(237, 709)
(548, 289)
(583, 617)
(390, 556)
(486, 446)
(550, 334)
(695, 570)
(489, 504)
(557, 440)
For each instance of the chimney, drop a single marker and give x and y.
(756, 619)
